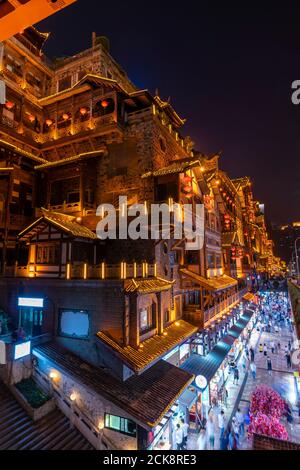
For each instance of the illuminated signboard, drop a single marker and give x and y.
(201, 382)
(22, 350)
(30, 302)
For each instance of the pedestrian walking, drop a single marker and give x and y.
(253, 370)
(232, 443)
(252, 354)
(210, 429)
(269, 365)
(221, 423)
(288, 360)
(279, 345)
(272, 346)
(265, 349)
(202, 440)
(179, 437)
(236, 376)
(290, 346)
(225, 396)
(185, 429)
(224, 441)
(260, 348)
(240, 421)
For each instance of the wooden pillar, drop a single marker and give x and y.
(159, 315)
(134, 321)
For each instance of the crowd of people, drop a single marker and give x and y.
(274, 314)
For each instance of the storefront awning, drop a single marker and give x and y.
(249, 296)
(213, 284)
(240, 325)
(208, 365)
(188, 398)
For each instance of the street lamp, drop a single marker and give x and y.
(296, 254)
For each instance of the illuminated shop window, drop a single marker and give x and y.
(123, 425)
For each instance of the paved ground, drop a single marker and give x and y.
(281, 379)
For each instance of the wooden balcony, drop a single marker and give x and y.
(83, 271)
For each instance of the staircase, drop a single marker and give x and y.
(19, 432)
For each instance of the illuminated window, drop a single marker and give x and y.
(74, 323)
(47, 254)
(123, 425)
(147, 318)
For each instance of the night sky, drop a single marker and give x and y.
(228, 71)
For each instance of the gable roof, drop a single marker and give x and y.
(155, 284)
(64, 222)
(154, 348)
(146, 397)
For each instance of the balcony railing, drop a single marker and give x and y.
(83, 271)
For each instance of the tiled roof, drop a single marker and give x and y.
(66, 161)
(249, 296)
(228, 238)
(155, 284)
(176, 167)
(146, 397)
(22, 152)
(153, 348)
(62, 222)
(216, 284)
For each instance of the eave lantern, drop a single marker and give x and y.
(9, 104)
(49, 122)
(83, 111)
(104, 103)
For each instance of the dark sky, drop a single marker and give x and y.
(228, 71)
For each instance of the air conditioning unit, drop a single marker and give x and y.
(17, 15)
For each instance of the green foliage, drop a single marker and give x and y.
(33, 394)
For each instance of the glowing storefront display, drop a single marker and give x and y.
(22, 350)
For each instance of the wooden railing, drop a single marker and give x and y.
(84, 271)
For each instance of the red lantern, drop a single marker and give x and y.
(9, 104)
(187, 179)
(104, 103)
(83, 111)
(187, 189)
(49, 122)
(31, 117)
(65, 116)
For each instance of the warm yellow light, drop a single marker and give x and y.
(78, 219)
(73, 396)
(155, 269)
(103, 270)
(177, 323)
(85, 270)
(100, 425)
(165, 333)
(53, 375)
(134, 270)
(68, 273)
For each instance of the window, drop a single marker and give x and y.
(74, 323)
(147, 318)
(211, 260)
(47, 254)
(166, 316)
(64, 83)
(123, 425)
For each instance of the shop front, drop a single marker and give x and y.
(30, 316)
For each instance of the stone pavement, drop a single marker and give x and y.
(281, 379)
